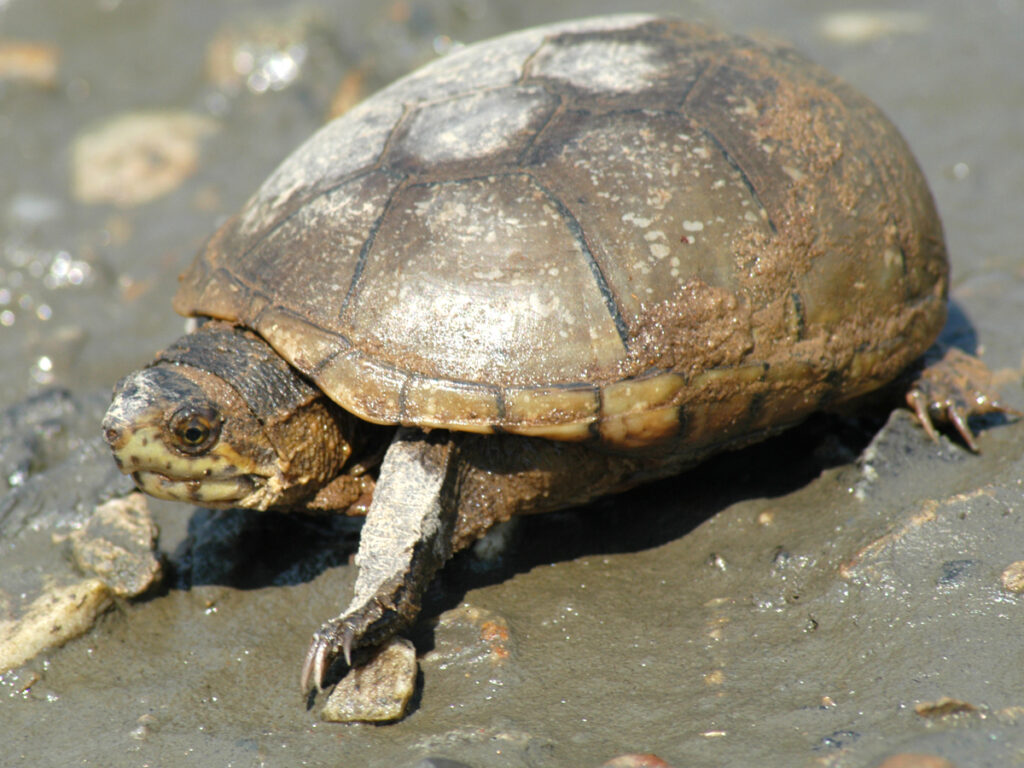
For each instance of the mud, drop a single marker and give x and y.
(812, 601)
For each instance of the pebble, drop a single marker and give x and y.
(51, 620)
(863, 26)
(943, 707)
(636, 761)
(117, 544)
(30, 63)
(350, 91)
(137, 157)
(378, 691)
(1013, 577)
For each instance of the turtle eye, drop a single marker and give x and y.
(194, 428)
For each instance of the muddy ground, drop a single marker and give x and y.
(811, 601)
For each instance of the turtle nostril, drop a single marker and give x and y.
(112, 435)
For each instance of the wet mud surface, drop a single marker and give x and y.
(842, 595)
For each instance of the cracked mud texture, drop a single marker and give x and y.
(817, 600)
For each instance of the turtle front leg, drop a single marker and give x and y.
(407, 537)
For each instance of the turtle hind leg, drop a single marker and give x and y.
(407, 537)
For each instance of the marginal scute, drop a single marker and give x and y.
(200, 292)
(869, 369)
(640, 412)
(719, 403)
(639, 395)
(433, 403)
(525, 407)
(716, 377)
(378, 396)
(627, 431)
(570, 433)
(793, 387)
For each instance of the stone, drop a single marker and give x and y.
(636, 761)
(117, 544)
(378, 691)
(52, 619)
(943, 707)
(1013, 577)
(137, 157)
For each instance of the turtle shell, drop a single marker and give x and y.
(625, 228)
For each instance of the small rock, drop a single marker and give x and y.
(378, 691)
(636, 761)
(864, 26)
(915, 760)
(943, 707)
(1013, 577)
(117, 544)
(29, 63)
(137, 157)
(351, 90)
(51, 620)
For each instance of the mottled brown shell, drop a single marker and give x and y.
(626, 228)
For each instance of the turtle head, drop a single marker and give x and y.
(185, 441)
(220, 420)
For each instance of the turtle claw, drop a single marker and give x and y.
(337, 635)
(346, 643)
(342, 636)
(315, 664)
(959, 420)
(916, 400)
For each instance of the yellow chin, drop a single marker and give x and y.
(227, 492)
(220, 478)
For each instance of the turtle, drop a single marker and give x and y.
(542, 269)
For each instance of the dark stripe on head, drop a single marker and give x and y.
(269, 386)
(170, 384)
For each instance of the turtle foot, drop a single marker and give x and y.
(365, 627)
(953, 387)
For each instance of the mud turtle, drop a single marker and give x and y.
(543, 268)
